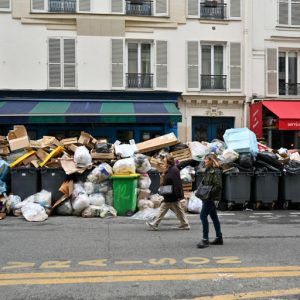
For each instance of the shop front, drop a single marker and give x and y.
(276, 122)
(110, 115)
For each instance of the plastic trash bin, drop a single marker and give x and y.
(155, 181)
(51, 180)
(24, 182)
(125, 193)
(266, 188)
(290, 189)
(237, 188)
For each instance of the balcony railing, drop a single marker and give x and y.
(139, 8)
(213, 82)
(213, 10)
(289, 89)
(62, 6)
(138, 80)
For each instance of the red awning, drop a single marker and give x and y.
(288, 113)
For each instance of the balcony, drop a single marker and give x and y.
(289, 89)
(62, 6)
(213, 82)
(213, 10)
(139, 80)
(139, 8)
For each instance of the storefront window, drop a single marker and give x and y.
(125, 136)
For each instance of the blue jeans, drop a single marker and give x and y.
(209, 209)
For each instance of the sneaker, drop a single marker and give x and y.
(217, 241)
(152, 226)
(203, 244)
(184, 227)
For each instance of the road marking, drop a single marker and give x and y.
(196, 260)
(162, 261)
(295, 213)
(226, 214)
(94, 263)
(227, 260)
(253, 295)
(142, 278)
(129, 262)
(263, 213)
(55, 264)
(17, 265)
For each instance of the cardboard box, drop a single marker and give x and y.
(72, 148)
(41, 154)
(28, 160)
(69, 141)
(102, 156)
(157, 143)
(158, 164)
(85, 138)
(4, 151)
(18, 138)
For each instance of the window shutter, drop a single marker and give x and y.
(235, 8)
(5, 4)
(193, 8)
(84, 5)
(193, 64)
(283, 7)
(162, 64)
(54, 64)
(117, 52)
(272, 71)
(69, 63)
(161, 7)
(235, 66)
(296, 12)
(117, 6)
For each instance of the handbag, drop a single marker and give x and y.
(165, 190)
(203, 191)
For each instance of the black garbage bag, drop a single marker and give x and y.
(177, 147)
(292, 167)
(245, 161)
(242, 169)
(259, 164)
(270, 158)
(189, 162)
(103, 148)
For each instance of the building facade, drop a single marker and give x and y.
(275, 100)
(125, 68)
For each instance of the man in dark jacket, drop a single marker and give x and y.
(171, 201)
(212, 177)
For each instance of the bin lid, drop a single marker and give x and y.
(125, 176)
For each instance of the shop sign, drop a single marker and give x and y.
(256, 119)
(289, 124)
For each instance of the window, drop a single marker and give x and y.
(61, 63)
(212, 67)
(5, 5)
(289, 12)
(288, 73)
(139, 66)
(213, 9)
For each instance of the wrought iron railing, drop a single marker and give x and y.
(213, 10)
(213, 82)
(62, 6)
(139, 8)
(289, 89)
(139, 80)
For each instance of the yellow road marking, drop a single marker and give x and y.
(129, 262)
(55, 264)
(140, 278)
(147, 272)
(17, 265)
(253, 295)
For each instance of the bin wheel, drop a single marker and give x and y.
(230, 206)
(258, 205)
(286, 205)
(274, 204)
(245, 205)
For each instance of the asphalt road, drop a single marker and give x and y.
(75, 258)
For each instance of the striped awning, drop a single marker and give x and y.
(87, 111)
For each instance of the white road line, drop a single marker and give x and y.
(295, 213)
(263, 213)
(226, 214)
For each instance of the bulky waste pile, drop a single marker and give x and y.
(89, 164)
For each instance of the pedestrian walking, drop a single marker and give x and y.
(212, 178)
(171, 201)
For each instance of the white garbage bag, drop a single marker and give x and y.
(91, 212)
(100, 173)
(198, 150)
(125, 150)
(142, 163)
(150, 213)
(34, 212)
(107, 211)
(144, 203)
(78, 190)
(144, 181)
(124, 166)
(195, 204)
(82, 157)
(109, 198)
(97, 199)
(11, 203)
(80, 203)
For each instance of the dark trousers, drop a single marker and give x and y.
(209, 209)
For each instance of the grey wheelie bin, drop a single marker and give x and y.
(290, 189)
